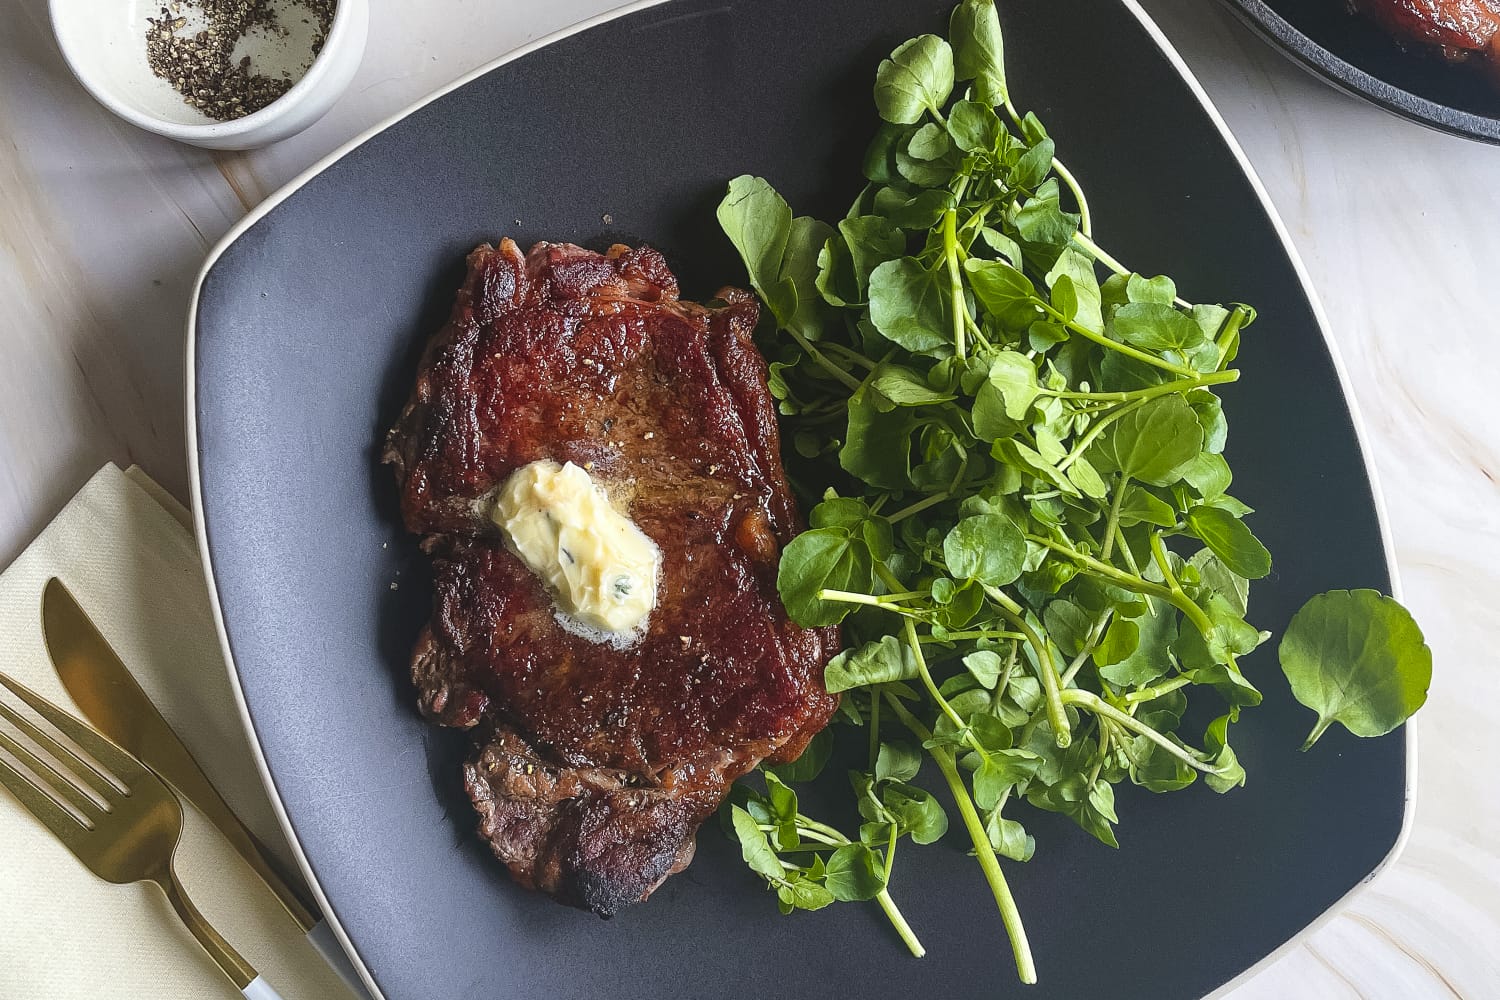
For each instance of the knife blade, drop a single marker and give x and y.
(107, 693)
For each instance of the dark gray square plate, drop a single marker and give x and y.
(307, 325)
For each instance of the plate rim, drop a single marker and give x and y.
(251, 218)
(1343, 75)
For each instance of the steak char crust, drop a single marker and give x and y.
(593, 765)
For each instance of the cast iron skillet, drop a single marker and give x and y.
(1355, 55)
(308, 323)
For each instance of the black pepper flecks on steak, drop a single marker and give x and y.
(593, 766)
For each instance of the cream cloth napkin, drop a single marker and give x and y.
(124, 548)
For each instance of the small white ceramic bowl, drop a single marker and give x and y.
(104, 44)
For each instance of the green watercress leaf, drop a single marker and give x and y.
(1356, 657)
(917, 78)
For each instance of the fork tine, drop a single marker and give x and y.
(53, 816)
(55, 779)
(124, 768)
(94, 779)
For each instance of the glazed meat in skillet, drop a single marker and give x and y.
(1457, 29)
(595, 762)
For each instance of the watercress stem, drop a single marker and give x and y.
(1093, 703)
(1113, 345)
(1095, 634)
(1144, 695)
(955, 280)
(1010, 914)
(1056, 717)
(1093, 432)
(1151, 392)
(850, 382)
(918, 507)
(908, 936)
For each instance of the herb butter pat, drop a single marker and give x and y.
(599, 566)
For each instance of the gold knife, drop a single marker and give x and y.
(109, 696)
(111, 699)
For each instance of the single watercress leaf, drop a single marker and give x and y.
(974, 127)
(872, 240)
(916, 812)
(1140, 506)
(1210, 413)
(1160, 289)
(839, 512)
(1156, 770)
(912, 211)
(1155, 327)
(877, 444)
(755, 848)
(988, 548)
(1229, 539)
(905, 387)
(910, 306)
(1068, 625)
(799, 267)
(1003, 246)
(1356, 657)
(897, 761)
(1234, 687)
(854, 874)
(1079, 269)
(823, 558)
(873, 663)
(979, 49)
(1014, 377)
(917, 78)
(1150, 443)
(1000, 770)
(1208, 474)
(1083, 475)
(1006, 293)
(1009, 838)
(1033, 166)
(835, 279)
(1220, 579)
(933, 173)
(879, 163)
(1228, 773)
(985, 666)
(1042, 221)
(803, 894)
(758, 222)
(1120, 640)
(783, 802)
(929, 142)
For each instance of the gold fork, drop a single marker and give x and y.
(120, 819)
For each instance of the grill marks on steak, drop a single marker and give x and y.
(594, 765)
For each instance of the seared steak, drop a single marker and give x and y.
(594, 763)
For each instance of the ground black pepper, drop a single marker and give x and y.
(201, 66)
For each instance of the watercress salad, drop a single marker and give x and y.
(1037, 561)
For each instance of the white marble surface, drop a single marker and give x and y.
(102, 229)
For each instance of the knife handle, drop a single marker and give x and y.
(323, 939)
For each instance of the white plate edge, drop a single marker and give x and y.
(264, 207)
